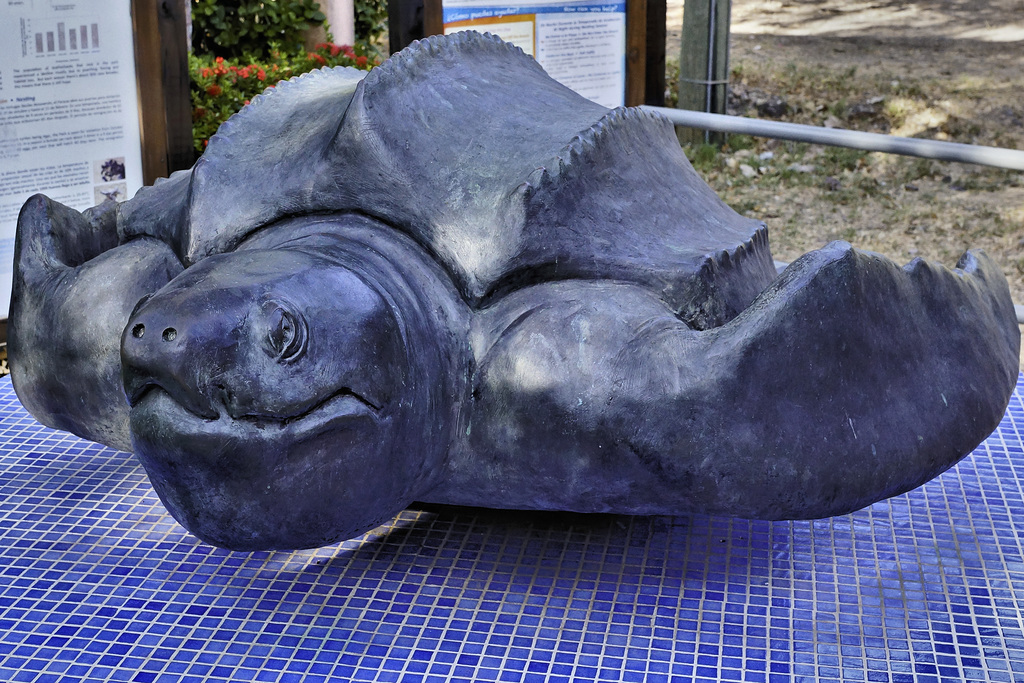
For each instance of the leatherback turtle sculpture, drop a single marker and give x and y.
(456, 281)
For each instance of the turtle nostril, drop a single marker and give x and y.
(138, 331)
(169, 334)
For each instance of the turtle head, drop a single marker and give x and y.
(270, 395)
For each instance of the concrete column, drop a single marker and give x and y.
(186, 9)
(341, 18)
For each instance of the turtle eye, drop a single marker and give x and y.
(286, 333)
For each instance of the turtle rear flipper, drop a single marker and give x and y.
(622, 202)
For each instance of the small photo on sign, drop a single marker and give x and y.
(108, 170)
(113, 192)
(8, 143)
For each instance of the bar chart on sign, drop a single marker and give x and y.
(50, 37)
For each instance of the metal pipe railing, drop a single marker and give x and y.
(838, 137)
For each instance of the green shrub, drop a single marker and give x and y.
(371, 19)
(220, 86)
(233, 28)
(703, 157)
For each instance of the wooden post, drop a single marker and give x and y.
(433, 17)
(654, 87)
(405, 23)
(176, 83)
(636, 51)
(704, 61)
(148, 76)
(161, 72)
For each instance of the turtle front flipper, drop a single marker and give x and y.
(846, 381)
(849, 380)
(74, 290)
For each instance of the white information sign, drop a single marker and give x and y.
(69, 123)
(580, 43)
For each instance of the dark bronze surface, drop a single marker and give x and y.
(456, 281)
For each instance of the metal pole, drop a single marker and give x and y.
(837, 137)
(711, 66)
(703, 60)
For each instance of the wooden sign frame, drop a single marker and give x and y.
(645, 32)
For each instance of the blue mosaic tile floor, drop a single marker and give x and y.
(98, 583)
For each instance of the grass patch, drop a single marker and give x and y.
(902, 207)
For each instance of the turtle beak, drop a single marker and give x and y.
(158, 352)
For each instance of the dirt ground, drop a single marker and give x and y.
(941, 69)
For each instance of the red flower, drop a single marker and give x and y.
(335, 49)
(207, 72)
(214, 90)
(205, 143)
(219, 60)
(245, 102)
(360, 61)
(318, 58)
(244, 73)
(261, 74)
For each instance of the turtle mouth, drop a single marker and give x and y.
(343, 395)
(137, 389)
(345, 398)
